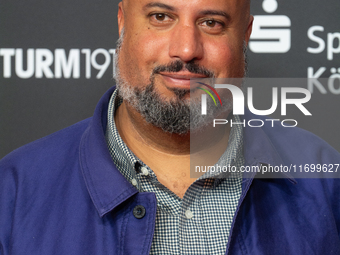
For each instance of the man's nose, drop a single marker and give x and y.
(186, 43)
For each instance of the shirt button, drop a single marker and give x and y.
(139, 211)
(134, 182)
(144, 171)
(189, 214)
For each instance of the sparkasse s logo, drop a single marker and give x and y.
(271, 33)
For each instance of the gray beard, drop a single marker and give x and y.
(177, 116)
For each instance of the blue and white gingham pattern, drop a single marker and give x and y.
(212, 201)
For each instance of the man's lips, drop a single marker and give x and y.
(183, 75)
(181, 79)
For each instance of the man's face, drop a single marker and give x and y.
(167, 42)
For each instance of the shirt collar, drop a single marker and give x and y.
(122, 156)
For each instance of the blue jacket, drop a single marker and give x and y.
(62, 194)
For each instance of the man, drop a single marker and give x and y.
(119, 183)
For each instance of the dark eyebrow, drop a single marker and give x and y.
(214, 12)
(160, 5)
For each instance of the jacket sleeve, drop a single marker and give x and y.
(8, 194)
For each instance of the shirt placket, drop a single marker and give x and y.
(191, 232)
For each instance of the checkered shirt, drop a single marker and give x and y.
(200, 222)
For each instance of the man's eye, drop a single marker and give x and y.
(213, 26)
(213, 23)
(160, 17)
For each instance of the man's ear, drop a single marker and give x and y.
(249, 28)
(120, 17)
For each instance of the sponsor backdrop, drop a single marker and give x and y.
(56, 60)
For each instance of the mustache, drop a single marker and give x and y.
(178, 65)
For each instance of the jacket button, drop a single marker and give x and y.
(139, 211)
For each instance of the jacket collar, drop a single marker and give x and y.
(106, 185)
